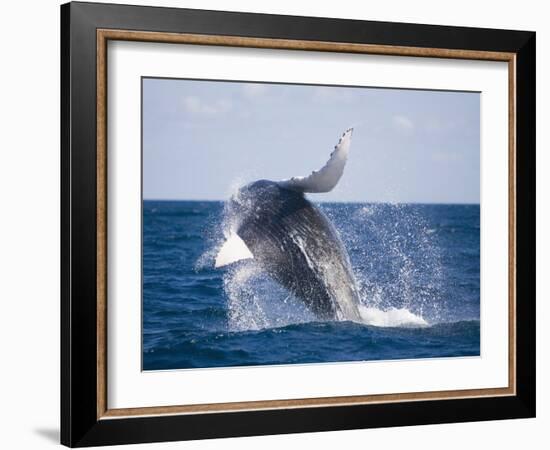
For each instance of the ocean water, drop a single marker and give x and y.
(416, 266)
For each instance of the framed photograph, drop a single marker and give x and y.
(277, 224)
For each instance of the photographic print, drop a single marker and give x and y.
(299, 224)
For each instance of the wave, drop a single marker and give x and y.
(312, 342)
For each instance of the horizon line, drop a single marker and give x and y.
(324, 201)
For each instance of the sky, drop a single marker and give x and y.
(203, 139)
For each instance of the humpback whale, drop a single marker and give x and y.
(293, 241)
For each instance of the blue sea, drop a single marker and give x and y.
(416, 266)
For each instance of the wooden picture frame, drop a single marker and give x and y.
(86, 418)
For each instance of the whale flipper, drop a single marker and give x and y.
(324, 179)
(233, 249)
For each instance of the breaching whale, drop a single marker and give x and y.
(293, 241)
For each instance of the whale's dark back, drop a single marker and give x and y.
(296, 244)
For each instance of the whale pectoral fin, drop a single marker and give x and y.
(324, 179)
(234, 249)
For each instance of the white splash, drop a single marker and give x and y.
(256, 302)
(393, 317)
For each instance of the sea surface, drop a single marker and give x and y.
(416, 266)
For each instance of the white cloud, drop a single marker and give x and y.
(253, 90)
(403, 123)
(196, 105)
